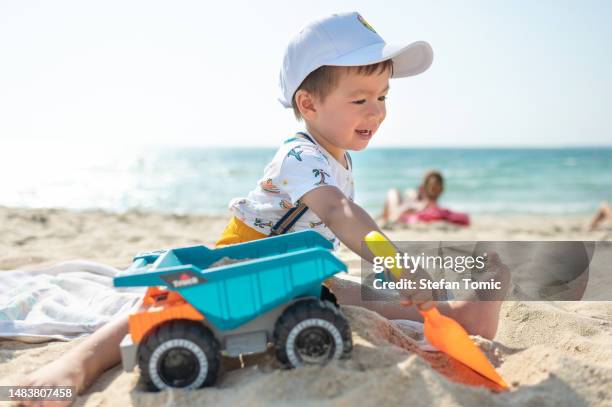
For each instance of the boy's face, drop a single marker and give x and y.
(350, 115)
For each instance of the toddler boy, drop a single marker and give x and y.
(335, 76)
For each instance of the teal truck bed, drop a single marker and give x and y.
(273, 271)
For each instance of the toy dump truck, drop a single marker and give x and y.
(195, 312)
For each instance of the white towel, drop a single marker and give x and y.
(64, 301)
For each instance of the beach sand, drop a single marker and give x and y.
(552, 353)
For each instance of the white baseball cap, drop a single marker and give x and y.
(345, 39)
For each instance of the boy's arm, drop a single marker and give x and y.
(349, 222)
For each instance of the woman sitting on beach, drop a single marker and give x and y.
(421, 206)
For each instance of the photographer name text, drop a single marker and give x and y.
(427, 284)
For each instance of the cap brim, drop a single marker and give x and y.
(408, 60)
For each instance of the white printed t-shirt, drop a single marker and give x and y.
(299, 166)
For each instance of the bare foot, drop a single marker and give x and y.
(57, 373)
(482, 317)
(477, 317)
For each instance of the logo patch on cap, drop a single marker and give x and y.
(365, 23)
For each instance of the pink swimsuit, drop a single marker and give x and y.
(436, 213)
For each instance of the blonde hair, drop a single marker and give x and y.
(323, 80)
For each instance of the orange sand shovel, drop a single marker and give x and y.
(442, 332)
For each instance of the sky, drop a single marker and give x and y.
(196, 73)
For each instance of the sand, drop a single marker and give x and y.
(552, 353)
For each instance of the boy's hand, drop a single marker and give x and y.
(414, 296)
(350, 223)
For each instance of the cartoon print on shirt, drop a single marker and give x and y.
(321, 174)
(295, 152)
(261, 224)
(315, 224)
(285, 204)
(268, 186)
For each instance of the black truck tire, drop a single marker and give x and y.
(311, 332)
(179, 354)
(328, 295)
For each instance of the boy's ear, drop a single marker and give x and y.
(306, 104)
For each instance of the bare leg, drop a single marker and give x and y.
(604, 212)
(85, 362)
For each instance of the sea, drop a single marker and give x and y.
(560, 181)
